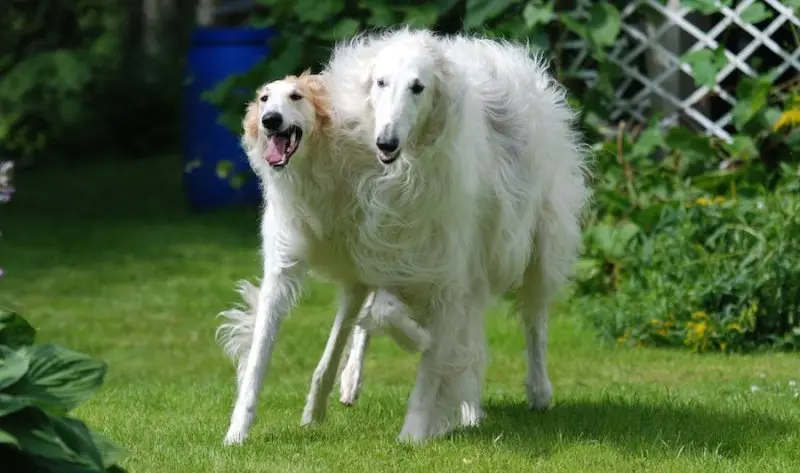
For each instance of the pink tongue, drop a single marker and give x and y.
(276, 149)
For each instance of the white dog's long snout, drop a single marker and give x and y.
(387, 141)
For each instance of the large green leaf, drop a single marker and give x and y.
(9, 404)
(110, 452)
(13, 365)
(15, 331)
(8, 439)
(59, 378)
(60, 445)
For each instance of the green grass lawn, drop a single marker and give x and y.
(108, 260)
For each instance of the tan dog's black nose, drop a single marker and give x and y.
(272, 121)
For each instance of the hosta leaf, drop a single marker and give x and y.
(13, 365)
(9, 404)
(59, 378)
(110, 452)
(8, 439)
(57, 444)
(15, 331)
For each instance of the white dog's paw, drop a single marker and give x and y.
(471, 414)
(424, 340)
(241, 420)
(349, 384)
(540, 394)
(415, 428)
(234, 437)
(313, 413)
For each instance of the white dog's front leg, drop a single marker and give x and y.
(277, 296)
(423, 415)
(352, 297)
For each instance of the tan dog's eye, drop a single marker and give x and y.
(264, 98)
(295, 96)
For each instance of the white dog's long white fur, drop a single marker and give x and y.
(485, 196)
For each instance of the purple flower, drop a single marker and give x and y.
(6, 189)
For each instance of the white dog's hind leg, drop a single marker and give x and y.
(382, 310)
(555, 248)
(389, 312)
(276, 297)
(350, 380)
(351, 300)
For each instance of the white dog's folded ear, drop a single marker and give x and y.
(366, 77)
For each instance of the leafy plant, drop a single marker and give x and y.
(713, 274)
(39, 386)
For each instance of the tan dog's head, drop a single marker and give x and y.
(283, 116)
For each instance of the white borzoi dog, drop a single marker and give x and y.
(477, 189)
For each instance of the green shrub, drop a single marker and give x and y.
(39, 385)
(72, 83)
(713, 273)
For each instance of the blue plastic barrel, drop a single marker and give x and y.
(215, 54)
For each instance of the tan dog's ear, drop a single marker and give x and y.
(250, 123)
(318, 97)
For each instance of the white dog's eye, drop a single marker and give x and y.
(381, 83)
(295, 96)
(263, 98)
(417, 88)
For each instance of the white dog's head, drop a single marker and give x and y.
(405, 90)
(281, 119)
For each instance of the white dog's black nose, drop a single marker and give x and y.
(272, 121)
(388, 145)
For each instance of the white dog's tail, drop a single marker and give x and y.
(236, 335)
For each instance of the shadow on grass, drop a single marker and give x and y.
(632, 427)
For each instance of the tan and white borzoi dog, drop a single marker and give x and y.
(478, 189)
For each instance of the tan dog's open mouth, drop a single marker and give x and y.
(282, 145)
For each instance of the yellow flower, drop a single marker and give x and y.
(719, 199)
(655, 322)
(700, 328)
(702, 201)
(735, 326)
(699, 315)
(788, 118)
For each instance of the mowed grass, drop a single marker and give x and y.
(108, 260)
